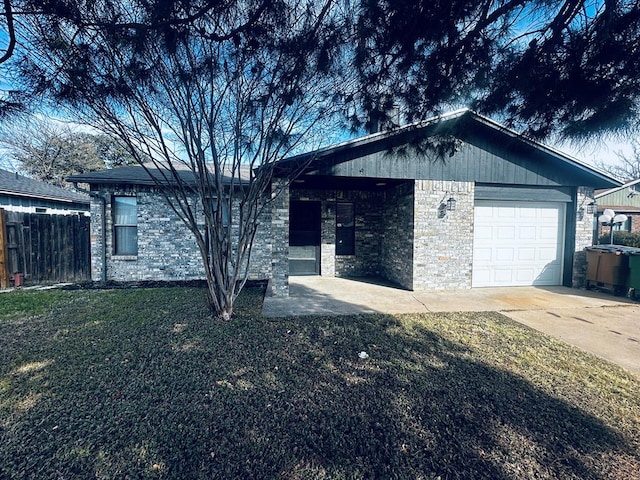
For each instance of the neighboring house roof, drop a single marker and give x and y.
(632, 183)
(12, 184)
(622, 199)
(457, 123)
(137, 175)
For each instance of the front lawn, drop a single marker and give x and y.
(141, 383)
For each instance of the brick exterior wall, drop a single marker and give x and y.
(400, 236)
(443, 247)
(166, 248)
(396, 256)
(584, 237)
(279, 284)
(635, 222)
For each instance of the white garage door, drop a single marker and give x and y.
(517, 243)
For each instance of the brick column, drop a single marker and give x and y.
(328, 239)
(443, 244)
(98, 232)
(584, 235)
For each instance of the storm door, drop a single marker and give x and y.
(304, 238)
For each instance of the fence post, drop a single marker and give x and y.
(4, 273)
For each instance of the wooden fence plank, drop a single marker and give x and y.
(4, 272)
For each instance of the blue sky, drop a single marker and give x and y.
(601, 150)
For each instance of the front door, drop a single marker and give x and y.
(304, 238)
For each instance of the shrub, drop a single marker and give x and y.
(622, 238)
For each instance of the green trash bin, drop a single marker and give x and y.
(633, 280)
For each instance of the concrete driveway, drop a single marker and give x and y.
(599, 323)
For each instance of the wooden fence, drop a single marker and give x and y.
(43, 248)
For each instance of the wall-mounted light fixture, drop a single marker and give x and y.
(445, 206)
(592, 208)
(451, 204)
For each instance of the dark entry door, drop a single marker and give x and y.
(304, 238)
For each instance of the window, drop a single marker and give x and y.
(125, 226)
(345, 229)
(623, 227)
(225, 211)
(214, 207)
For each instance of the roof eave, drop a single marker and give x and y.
(618, 188)
(43, 197)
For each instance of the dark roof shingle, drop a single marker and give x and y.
(17, 185)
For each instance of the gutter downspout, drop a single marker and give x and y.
(103, 215)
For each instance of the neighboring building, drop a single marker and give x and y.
(498, 210)
(26, 195)
(44, 232)
(621, 199)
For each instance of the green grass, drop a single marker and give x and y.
(141, 383)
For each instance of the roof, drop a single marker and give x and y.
(603, 193)
(453, 122)
(138, 175)
(15, 185)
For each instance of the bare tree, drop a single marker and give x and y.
(627, 168)
(213, 102)
(50, 151)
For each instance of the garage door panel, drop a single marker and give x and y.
(526, 254)
(483, 254)
(483, 211)
(527, 233)
(506, 213)
(548, 213)
(504, 254)
(503, 276)
(548, 275)
(517, 243)
(525, 275)
(527, 213)
(483, 232)
(548, 254)
(506, 233)
(548, 233)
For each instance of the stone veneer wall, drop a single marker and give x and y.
(97, 238)
(279, 285)
(166, 249)
(396, 258)
(443, 247)
(584, 237)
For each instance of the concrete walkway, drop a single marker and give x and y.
(600, 323)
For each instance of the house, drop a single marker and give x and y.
(23, 194)
(623, 199)
(455, 202)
